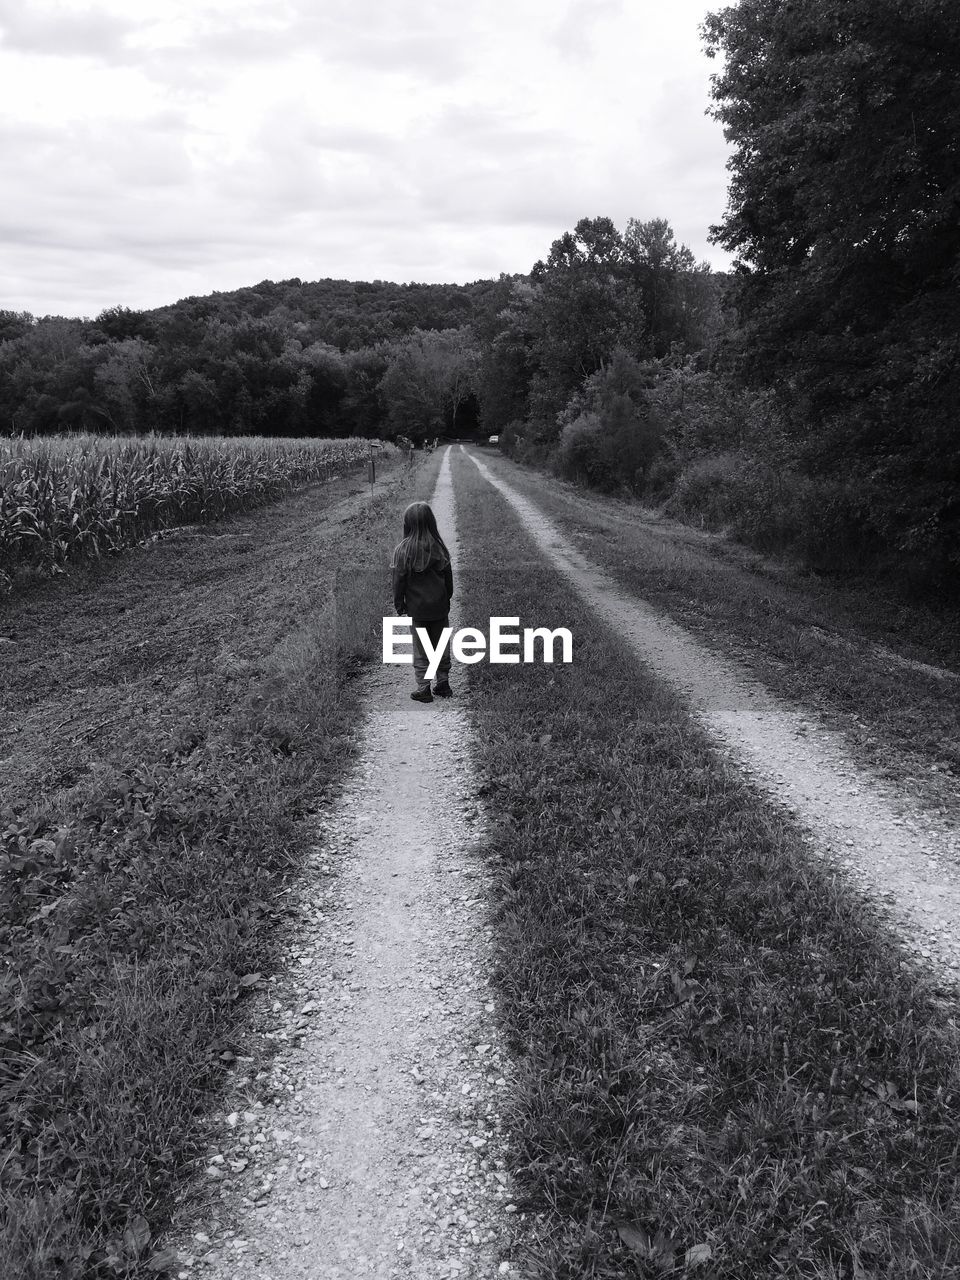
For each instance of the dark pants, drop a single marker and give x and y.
(420, 660)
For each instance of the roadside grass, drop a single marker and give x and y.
(139, 907)
(727, 1067)
(853, 651)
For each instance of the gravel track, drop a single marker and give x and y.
(906, 862)
(384, 1157)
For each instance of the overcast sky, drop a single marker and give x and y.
(156, 149)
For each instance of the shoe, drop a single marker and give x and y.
(422, 695)
(443, 690)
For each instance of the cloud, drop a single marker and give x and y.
(347, 138)
(574, 34)
(88, 33)
(490, 130)
(206, 145)
(421, 39)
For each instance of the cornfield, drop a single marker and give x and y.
(84, 495)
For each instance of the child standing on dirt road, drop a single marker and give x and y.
(422, 587)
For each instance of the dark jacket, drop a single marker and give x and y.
(425, 597)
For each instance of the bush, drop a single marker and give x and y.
(825, 523)
(578, 454)
(611, 449)
(512, 439)
(662, 476)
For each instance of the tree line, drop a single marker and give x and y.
(327, 358)
(844, 216)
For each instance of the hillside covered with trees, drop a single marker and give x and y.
(806, 401)
(327, 358)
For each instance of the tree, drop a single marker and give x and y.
(14, 324)
(462, 360)
(196, 405)
(844, 118)
(363, 407)
(127, 385)
(658, 268)
(610, 431)
(429, 376)
(322, 382)
(414, 389)
(503, 378)
(120, 323)
(583, 312)
(844, 214)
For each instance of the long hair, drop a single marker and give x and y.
(421, 544)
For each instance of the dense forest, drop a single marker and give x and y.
(327, 358)
(805, 401)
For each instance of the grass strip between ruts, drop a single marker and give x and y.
(132, 926)
(726, 1067)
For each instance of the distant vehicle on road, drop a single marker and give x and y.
(494, 440)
